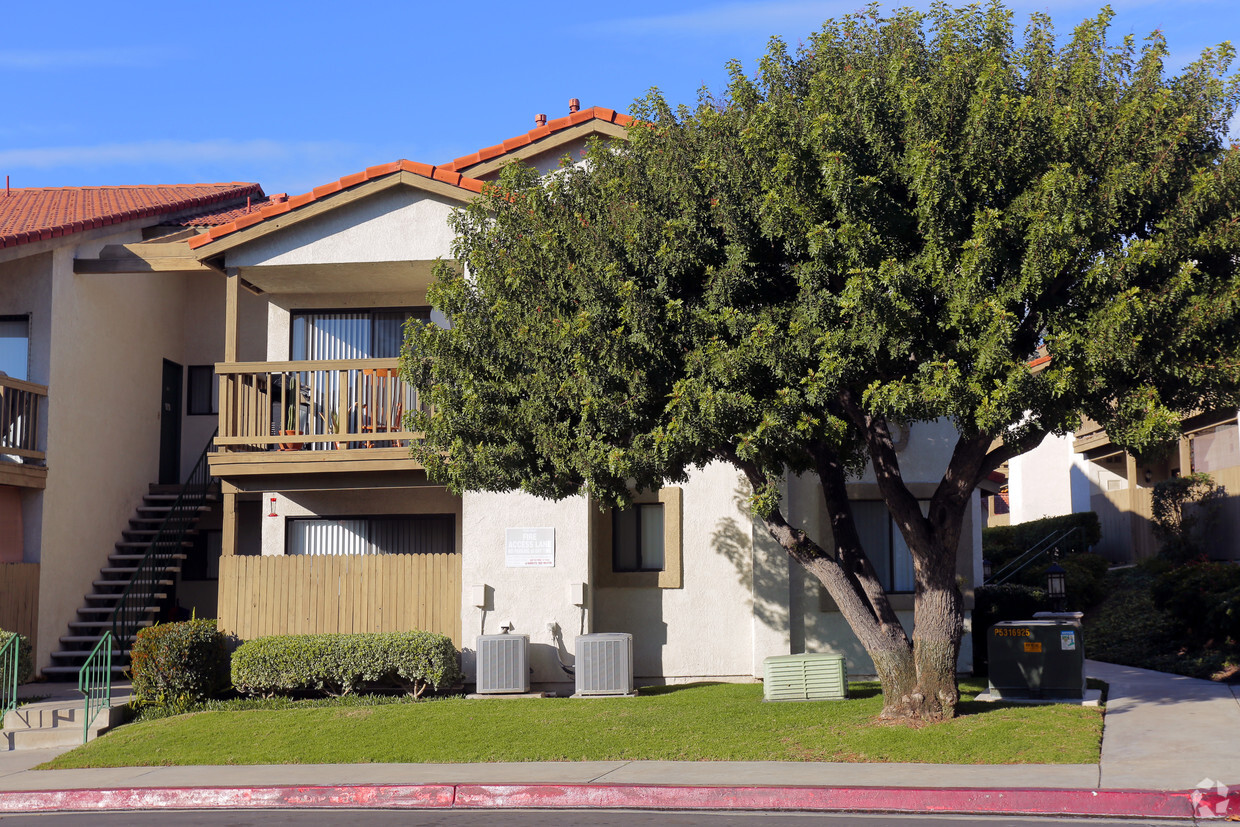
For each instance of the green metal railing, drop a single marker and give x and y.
(152, 580)
(10, 653)
(95, 682)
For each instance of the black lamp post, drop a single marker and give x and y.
(1056, 584)
(987, 571)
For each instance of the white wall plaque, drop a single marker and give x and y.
(529, 548)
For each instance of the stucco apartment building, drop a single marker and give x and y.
(326, 524)
(90, 406)
(1085, 471)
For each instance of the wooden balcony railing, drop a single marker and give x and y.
(316, 406)
(21, 405)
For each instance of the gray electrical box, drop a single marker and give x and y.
(1041, 659)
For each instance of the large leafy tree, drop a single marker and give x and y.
(879, 229)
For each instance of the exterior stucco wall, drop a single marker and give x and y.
(1048, 481)
(530, 599)
(399, 224)
(26, 290)
(704, 629)
(111, 334)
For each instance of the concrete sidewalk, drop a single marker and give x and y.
(1163, 733)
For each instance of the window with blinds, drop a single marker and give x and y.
(408, 534)
(884, 545)
(373, 333)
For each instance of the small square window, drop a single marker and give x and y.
(637, 538)
(640, 546)
(202, 394)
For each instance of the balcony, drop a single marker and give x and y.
(290, 419)
(22, 454)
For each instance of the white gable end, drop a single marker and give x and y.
(398, 224)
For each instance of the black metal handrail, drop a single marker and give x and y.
(1015, 567)
(141, 597)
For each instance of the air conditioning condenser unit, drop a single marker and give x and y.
(503, 664)
(604, 664)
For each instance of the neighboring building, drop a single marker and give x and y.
(328, 525)
(91, 411)
(1085, 471)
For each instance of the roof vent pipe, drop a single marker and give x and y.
(573, 105)
(540, 119)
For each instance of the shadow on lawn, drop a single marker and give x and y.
(856, 691)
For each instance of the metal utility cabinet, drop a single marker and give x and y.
(1041, 659)
(808, 677)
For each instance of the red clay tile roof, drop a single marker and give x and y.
(1041, 360)
(271, 210)
(551, 127)
(213, 218)
(30, 214)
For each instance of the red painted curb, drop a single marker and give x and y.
(372, 796)
(1116, 803)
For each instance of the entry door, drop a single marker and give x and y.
(170, 425)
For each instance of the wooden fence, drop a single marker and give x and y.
(1124, 516)
(286, 595)
(19, 598)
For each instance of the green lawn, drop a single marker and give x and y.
(700, 722)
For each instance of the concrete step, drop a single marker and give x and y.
(107, 610)
(100, 624)
(83, 654)
(121, 584)
(71, 672)
(54, 724)
(147, 544)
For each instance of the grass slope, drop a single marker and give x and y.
(700, 722)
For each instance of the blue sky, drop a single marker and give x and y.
(296, 95)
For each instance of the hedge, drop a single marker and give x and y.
(25, 659)
(1007, 542)
(339, 664)
(174, 665)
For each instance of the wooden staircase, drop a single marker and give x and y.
(95, 615)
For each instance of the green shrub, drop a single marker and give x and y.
(25, 660)
(175, 665)
(1002, 544)
(340, 664)
(1127, 628)
(1198, 596)
(993, 604)
(1085, 581)
(1184, 509)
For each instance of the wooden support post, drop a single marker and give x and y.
(1186, 456)
(229, 539)
(230, 315)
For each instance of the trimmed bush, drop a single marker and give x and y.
(339, 664)
(25, 660)
(1003, 543)
(175, 665)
